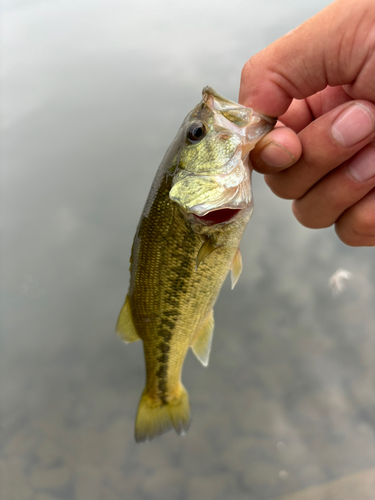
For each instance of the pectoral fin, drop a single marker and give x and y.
(125, 328)
(205, 250)
(201, 345)
(236, 268)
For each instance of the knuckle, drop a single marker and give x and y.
(300, 214)
(364, 223)
(352, 239)
(307, 217)
(358, 230)
(338, 203)
(277, 185)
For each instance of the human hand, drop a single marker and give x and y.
(320, 80)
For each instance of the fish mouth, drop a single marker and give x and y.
(220, 216)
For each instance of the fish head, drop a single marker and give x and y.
(212, 180)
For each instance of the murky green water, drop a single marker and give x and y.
(93, 94)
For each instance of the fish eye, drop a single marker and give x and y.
(196, 132)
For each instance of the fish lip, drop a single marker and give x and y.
(220, 103)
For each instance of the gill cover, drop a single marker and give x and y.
(212, 171)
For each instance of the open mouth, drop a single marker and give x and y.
(218, 216)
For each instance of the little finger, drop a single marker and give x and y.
(356, 226)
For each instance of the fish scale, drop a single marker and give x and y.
(181, 256)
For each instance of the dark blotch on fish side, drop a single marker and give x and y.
(181, 273)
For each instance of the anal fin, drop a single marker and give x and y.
(201, 345)
(236, 268)
(125, 328)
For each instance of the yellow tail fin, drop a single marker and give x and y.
(155, 418)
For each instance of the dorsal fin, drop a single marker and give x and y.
(201, 345)
(125, 328)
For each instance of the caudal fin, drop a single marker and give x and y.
(155, 418)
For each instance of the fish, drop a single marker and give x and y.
(186, 243)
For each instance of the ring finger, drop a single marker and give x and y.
(337, 191)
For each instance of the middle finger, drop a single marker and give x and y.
(326, 143)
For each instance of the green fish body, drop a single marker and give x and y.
(186, 243)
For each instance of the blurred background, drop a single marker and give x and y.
(93, 93)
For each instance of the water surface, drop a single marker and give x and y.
(93, 94)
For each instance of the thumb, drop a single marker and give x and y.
(335, 47)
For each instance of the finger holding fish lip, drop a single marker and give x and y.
(322, 68)
(327, 142)
(278, 150)
(282, 147)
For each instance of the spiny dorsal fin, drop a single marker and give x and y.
(236, 268)
(205, 250)
(201, 345)
(125, 328)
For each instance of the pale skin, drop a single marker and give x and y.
(319, 80)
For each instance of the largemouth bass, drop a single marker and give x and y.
(186, 242)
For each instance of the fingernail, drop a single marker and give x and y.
(354, 124)
(362, 166)
(275, 155)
